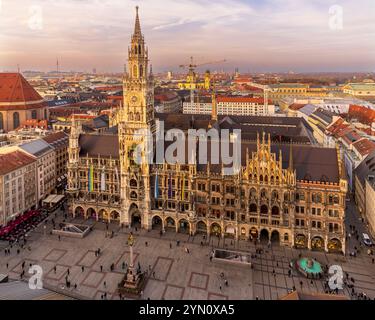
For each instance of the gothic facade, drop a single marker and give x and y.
(290, 193)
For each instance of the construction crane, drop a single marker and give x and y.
(191, 67)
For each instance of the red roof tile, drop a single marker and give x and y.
(364, 146)
(296, 106)
(10, 162)
(17, 93)
(363, 114)
(241, 99)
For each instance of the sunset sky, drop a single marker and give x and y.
(254, 35)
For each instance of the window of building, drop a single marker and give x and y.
(16, 120)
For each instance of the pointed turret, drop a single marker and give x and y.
(137, 27)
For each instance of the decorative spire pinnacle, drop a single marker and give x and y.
(291, 156)
(137, 28)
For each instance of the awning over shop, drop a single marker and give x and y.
(53, 199)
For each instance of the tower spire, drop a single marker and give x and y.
(137, 28)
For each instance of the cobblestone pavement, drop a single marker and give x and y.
(178, 275)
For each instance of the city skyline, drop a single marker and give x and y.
(287, 35)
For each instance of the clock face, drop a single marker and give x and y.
(134, 99)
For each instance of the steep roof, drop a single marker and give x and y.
(366, 168)
(17, 94)
(12, 161)
(364, 146)
(105, 146)
(57, 139)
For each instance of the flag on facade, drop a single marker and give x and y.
(102, 180)
(91, 178)
(156, 185)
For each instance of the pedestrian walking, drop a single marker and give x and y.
(7, 265)
(220, 288)
(153, 274)
(83, 269)
(101, 268)
(54, 269)
(68, 272)
(226, 283)
(146, 243)
(170, 245)
(105, 284)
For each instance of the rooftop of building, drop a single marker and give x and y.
(308, 109)
(364, 146)
(296, 106)
(361, 86)
(12, 161)
(57, 138)
(280, 128)
(36, 147)
(16, 93)
(322, 115)
(366, 168)
(289, 85)
(241, 99)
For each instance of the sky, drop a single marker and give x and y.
(253, 35)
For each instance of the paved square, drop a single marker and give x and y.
(93, 279)
(172, 292)
(162, 268)
(55, 255)
(199, 281)
(88, 259)
(178, 274)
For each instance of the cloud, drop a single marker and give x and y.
(271, 34)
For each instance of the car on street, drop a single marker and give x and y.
(366, 240)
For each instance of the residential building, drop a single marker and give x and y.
(18, 190)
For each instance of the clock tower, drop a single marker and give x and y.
(135, 115)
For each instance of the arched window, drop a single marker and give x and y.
(1, 122)
(135, 75)
(16, 120)
(141, 70)
(139, 49)
(34, 114)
